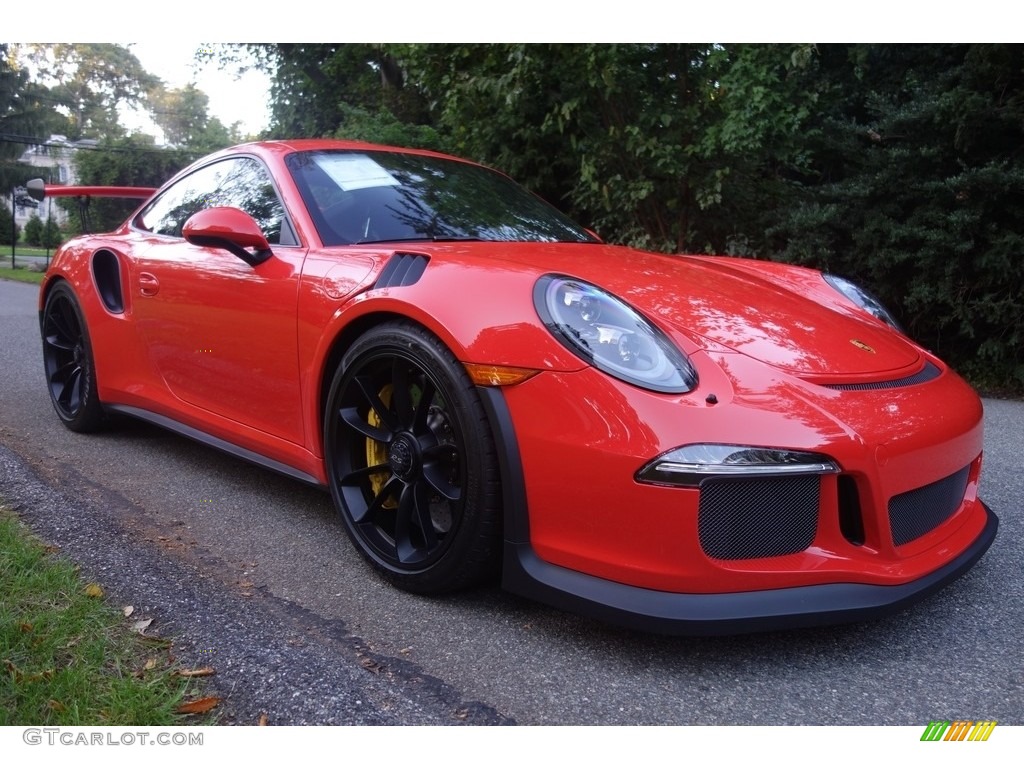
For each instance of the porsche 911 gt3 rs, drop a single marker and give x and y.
(684, 444)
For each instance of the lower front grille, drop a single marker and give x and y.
(915, 513)
(741, 519)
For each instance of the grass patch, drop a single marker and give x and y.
(20, 274)
(30, 250)
(67, 657)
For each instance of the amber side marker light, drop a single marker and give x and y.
(498, 375)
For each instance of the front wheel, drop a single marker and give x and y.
(412, 464)
(68, 362)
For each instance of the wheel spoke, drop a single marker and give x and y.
(71, 392)
(369, 514)
(56, 341)
(62, 329)
(413, 516)
(434, 474)
(62, 372)
(352, 418)
(355, 477)
(369, 390)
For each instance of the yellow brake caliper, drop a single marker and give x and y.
(377, 452)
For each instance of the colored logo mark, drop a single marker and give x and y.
(958, 730)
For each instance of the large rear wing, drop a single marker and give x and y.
(39, 189)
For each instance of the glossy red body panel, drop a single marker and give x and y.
(243, 353)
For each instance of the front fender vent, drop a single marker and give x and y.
(403, 269)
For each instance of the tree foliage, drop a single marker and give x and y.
(919, 193)
(183, 116)
(33, 232)
(897, 165)
(8, 229)
(90, 81)
(25, 112)
(133, 161)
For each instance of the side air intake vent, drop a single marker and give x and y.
(403, 269)
(107, 272)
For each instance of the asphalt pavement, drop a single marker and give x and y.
(252, 573)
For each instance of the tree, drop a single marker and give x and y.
(33, 232)
(919, 193)
(7, 227)
(24, 114)
(90, 81)
(133, 161)
(51, 234)
(182, 115)
(654, 145)
(896, 165)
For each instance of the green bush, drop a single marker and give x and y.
(34, 230)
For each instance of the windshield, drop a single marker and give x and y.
(368, 197)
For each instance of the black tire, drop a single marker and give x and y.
(68, 362)
(411, 459)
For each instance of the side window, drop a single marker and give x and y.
(240, 182)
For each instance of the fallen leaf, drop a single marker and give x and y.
(140, 626)
(94, 590)
(25, 626)
(128, 610)
(56, 706)
(198, 706)
(371, 665)
(150, 663)
(263, 719)
(201, 672)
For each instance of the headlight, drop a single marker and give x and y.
(691, 464)
(611, 335)
(863, 299)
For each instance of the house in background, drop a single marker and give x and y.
(55, 161)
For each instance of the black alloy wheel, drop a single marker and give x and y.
(68, 362)
(412, 464)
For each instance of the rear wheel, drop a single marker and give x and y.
(68, 361)
(412, 464)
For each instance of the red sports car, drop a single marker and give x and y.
(682, 444)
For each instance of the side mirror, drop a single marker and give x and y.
(231, 229)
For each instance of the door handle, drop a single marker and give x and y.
(148, 284)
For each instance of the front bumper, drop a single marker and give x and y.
(725, 614)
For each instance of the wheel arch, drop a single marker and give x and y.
(516, 518)
(349, 326)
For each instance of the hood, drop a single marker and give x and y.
(785, 316)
